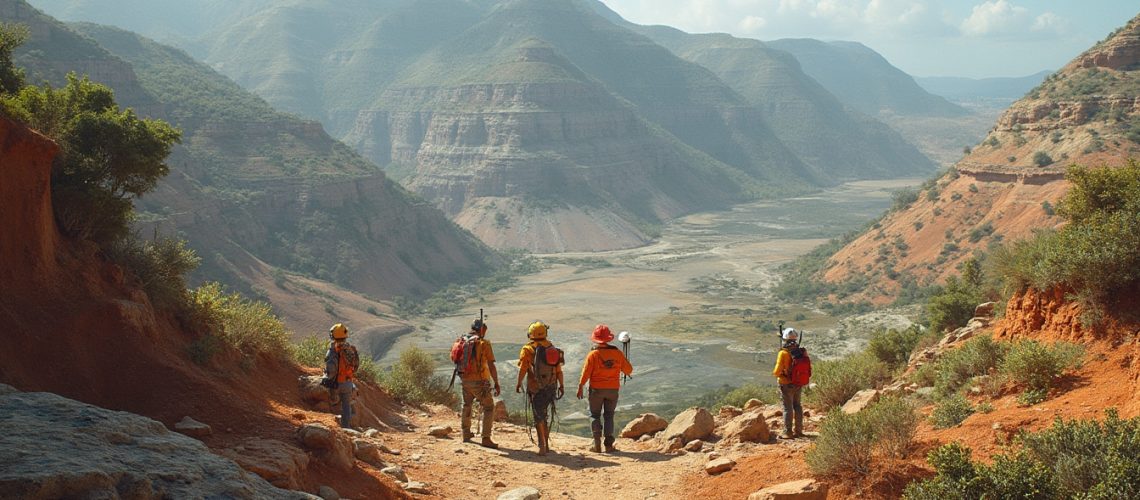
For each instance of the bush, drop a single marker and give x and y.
(1035, 365)
(954, 305)
(11, 77)
(248, 326)
(893, 347)
(978, 356)
(1074, 459)
(412, 379)
(951, 411)
(160, 265)
(1042, 159)
(310, 351)
(847, 442)
(837, 380)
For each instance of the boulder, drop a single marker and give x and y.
(280, 463)
(367, 451)
(501, 413)
(695, 445)
(440, 431)
(331, 447)
(753, 403)
(327, 493)
(646, 423)
(312, 392)
(860, 400)
(54, 447)
(193, 428)
(524, 493)
(417, 487)
(749, 427)
(719, 465)
(985, 310)
(804, 489)
(694, 423)
(396, 472)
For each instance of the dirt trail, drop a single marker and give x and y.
(637, 470)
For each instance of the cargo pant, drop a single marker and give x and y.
(603, 423)
(344, 393)
(790, 396)
(478, 390)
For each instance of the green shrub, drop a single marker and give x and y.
(248, 326)
(951, 411)
(1042, 159)
(160, 266)
(412, 379)
(1035, 365)
(310, 351)
(847, 442)
(1030, 397)
(978, 356)
(11, 77)
(837, 380)
(954, 305)
(893, 347)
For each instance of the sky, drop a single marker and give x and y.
(968, 38)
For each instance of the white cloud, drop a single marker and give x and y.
(1051, 23)
(752, 24)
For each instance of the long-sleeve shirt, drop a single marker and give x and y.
(526, 360)
(603, 368)
(783, 367)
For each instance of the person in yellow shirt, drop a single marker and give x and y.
(541, 364)
(603, 368)
(789, 392)
(477, 385)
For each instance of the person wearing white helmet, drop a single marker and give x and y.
(791, 362)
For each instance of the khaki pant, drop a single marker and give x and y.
(479, 390)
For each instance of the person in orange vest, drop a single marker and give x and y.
(476, 386)
(603, 368)
(541, 364)
(341, 363)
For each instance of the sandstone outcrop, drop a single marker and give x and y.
(646, 423)
(804, 489)
(694, 423)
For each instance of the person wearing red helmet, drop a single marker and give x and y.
(603, 369)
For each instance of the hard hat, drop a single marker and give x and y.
(602, 334)
(338, 331)
(623, 337)
(537, 330)
(790, 334)
(479, 326)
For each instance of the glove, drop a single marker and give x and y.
(330, 383)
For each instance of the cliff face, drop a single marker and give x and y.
(1087, 114)
(30, 244)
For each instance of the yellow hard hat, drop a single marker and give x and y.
(537, 330)
(339, 331)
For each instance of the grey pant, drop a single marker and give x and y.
(603, 399)
(344, 393)
(790, 395)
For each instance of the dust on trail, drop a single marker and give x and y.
(453, 469)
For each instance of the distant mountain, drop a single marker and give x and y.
(252, 188)
(803, 114)
(994, 90)
(863, 79)
(1087, 113)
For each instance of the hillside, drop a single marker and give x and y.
(993, 92)
(802, 113)
(260, 194)
(1086, 113)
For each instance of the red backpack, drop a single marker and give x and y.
(464, 352)
(800, 371)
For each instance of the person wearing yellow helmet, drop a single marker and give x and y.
(341, 362)
(540, 363)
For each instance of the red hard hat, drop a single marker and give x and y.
(602, 334)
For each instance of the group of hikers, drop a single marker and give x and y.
(540, 367)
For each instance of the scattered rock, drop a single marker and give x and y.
(193, 428)
(695, 445)
(54, 447)
(417, 487)
(524, 493)
(333, 448)
(753, 403)
(396, 472)
(498, 483)
(713, 455)
(280, 463)
(749, 427)
(985, 310)
(860, 400)
(367, 451)
(440, 431)
(728, 411)
(327, 493)
(646, 423)
(718, 466)
(805, 489)
(501, 413)
(694, 423)
(371, 433)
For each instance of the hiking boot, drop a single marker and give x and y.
(799, 433)
(610, 444)
(786, 435)
(487, 443)
(467, 437)
(597, 448)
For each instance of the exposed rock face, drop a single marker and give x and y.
(28, 248)
(804, 489)
(1119, 52)
(280, 463)
(694, 423)
(646, 423)
(53, 447)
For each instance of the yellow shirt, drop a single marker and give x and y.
(783, 365)
(484, 356)
(526, 359)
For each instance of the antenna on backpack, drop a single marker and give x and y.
(624, 338)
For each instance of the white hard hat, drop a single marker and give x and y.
(790, 334)
(623, 337)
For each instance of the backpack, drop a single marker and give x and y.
(800, 371)
(546, 360)
(347, 370)
(464, 352)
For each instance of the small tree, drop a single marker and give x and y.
(1042, 159)
(11, 77)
